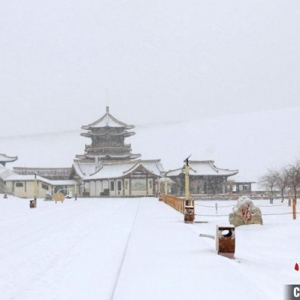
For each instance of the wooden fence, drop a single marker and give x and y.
(175, 202)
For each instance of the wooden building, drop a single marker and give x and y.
(205, 178)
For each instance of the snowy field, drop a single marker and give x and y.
(140, 248)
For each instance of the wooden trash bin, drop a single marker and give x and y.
(189, 214)
(32, 203)
(225, 241)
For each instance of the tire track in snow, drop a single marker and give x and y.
(124, 253)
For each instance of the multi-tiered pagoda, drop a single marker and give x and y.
(108, 168)
(108, 140)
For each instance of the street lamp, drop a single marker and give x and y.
(189, 209)
(166, 186)
(75, 190)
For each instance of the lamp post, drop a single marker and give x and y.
(75, 190)
(35, 189)
(187, 181)
(166, 186)
(158, 185)
(189, 209)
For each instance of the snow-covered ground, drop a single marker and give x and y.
(140, 248)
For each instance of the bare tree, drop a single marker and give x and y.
(269, 182)
(282, 180)
(294, 178)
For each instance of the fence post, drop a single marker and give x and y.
(294, 209)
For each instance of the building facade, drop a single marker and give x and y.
(107, 168)
(204, 176)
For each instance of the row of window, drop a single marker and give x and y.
(112, 185)
(21, 184)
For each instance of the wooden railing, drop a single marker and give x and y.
(175, 202)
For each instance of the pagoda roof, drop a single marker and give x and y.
(5, 158)
(107, 121)
(203, 168)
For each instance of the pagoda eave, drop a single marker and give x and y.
(7, 159)
(89, 127)
(99, 134)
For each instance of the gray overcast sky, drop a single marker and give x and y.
(158, 59)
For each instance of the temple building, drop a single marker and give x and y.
(108, 168)
(205, 178)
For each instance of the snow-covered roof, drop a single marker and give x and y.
(113, 156)
(203, 168)
(115, 170)
(17, 177)
(83, 169)
(107, 169)
(154, 167)
(5, 173)
(107, 120)
(4, 158)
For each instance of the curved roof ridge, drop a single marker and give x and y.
(133, 167)
(9, 158)
(140, 164)
(108, 116)
(97, 170)
(80, 169)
